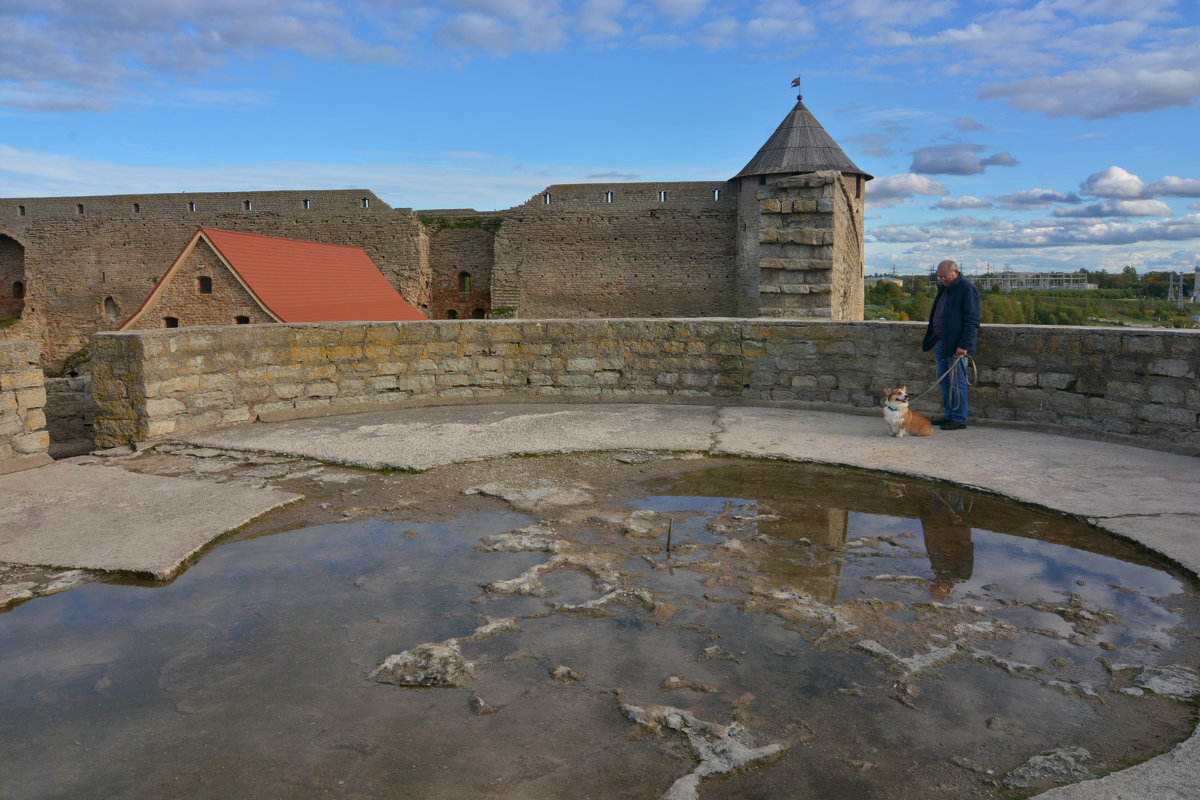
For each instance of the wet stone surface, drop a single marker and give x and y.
(620, 625)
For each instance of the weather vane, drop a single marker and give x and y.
(796, 85)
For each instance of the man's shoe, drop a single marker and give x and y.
(951, 425)
(940, 421)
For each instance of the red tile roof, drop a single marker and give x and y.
(297, 281)
(309, 281)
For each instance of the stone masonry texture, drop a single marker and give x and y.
(22, 400)
(1140, 386)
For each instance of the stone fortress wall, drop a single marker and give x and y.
(595, 250)
(1138, 386)
(619, 250)
(89, 262)
(23, 432)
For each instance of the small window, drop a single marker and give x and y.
(478, 313)
(608, 197)
(464, 282)
(112, 311)
(546, 198)
(79, 208)
(137, 208)
(452, 314)
(191, 206)
(18, 290)
(241, 320)
(205, 284)
(716, 194)
(662, 196)
(20, 211)
(307, 204)
(762, 180)
(170, 322)
(858, 182)
(366, 202)
(248, 205)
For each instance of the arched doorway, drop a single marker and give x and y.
(12, 278)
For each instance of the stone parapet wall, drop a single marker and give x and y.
(22, 400)
(1139, 384)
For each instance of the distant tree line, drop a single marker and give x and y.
(1123, 298)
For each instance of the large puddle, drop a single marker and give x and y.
(597, 627)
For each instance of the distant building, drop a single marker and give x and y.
(1196, 287)
(1009, 281)
(227, 278)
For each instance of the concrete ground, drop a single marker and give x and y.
(90, 517)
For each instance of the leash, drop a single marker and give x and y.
(972, 379)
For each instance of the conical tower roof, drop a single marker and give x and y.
(799, 145)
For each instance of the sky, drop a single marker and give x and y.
(1053, 135)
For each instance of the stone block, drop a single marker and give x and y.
(321, 389)
(160, 427)
(1172, 415)
(20, 378)
(1055, 380)
(35, 419)
(1171, 367)
(30, 443)
(32, 397)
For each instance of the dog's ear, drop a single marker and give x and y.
(888, 391)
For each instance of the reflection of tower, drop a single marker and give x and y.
(1196, 287)
(947, 542)
(826, 529)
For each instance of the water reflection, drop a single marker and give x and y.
(946, 526)
(795, 602)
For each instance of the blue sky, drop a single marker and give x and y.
(1050, 135)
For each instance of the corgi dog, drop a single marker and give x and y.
(900, 418)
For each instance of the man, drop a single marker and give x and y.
(952, 332)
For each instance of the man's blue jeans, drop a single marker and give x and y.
(954, 385)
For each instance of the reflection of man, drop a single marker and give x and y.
(952, 332)
(947, 543)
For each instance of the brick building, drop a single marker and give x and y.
(228, 278)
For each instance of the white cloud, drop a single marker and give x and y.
(1098, 233)
(1113, 182)
(1175, 187)
(957, 159)
(1118, 208)
(1135, 83)
(891, 189)
(964, 221)
(959, 203)
(598, 19)
(679, 9)
(899, 233)
(718, 34)
(781, 19)
(1035, 198)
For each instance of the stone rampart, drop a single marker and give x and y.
(618, 250)
(1139, 385)
(22, 400)
(87, 263)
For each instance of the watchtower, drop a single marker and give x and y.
(799, 248)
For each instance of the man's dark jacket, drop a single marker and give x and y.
(960, 320)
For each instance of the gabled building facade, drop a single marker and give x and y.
(229, 278)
